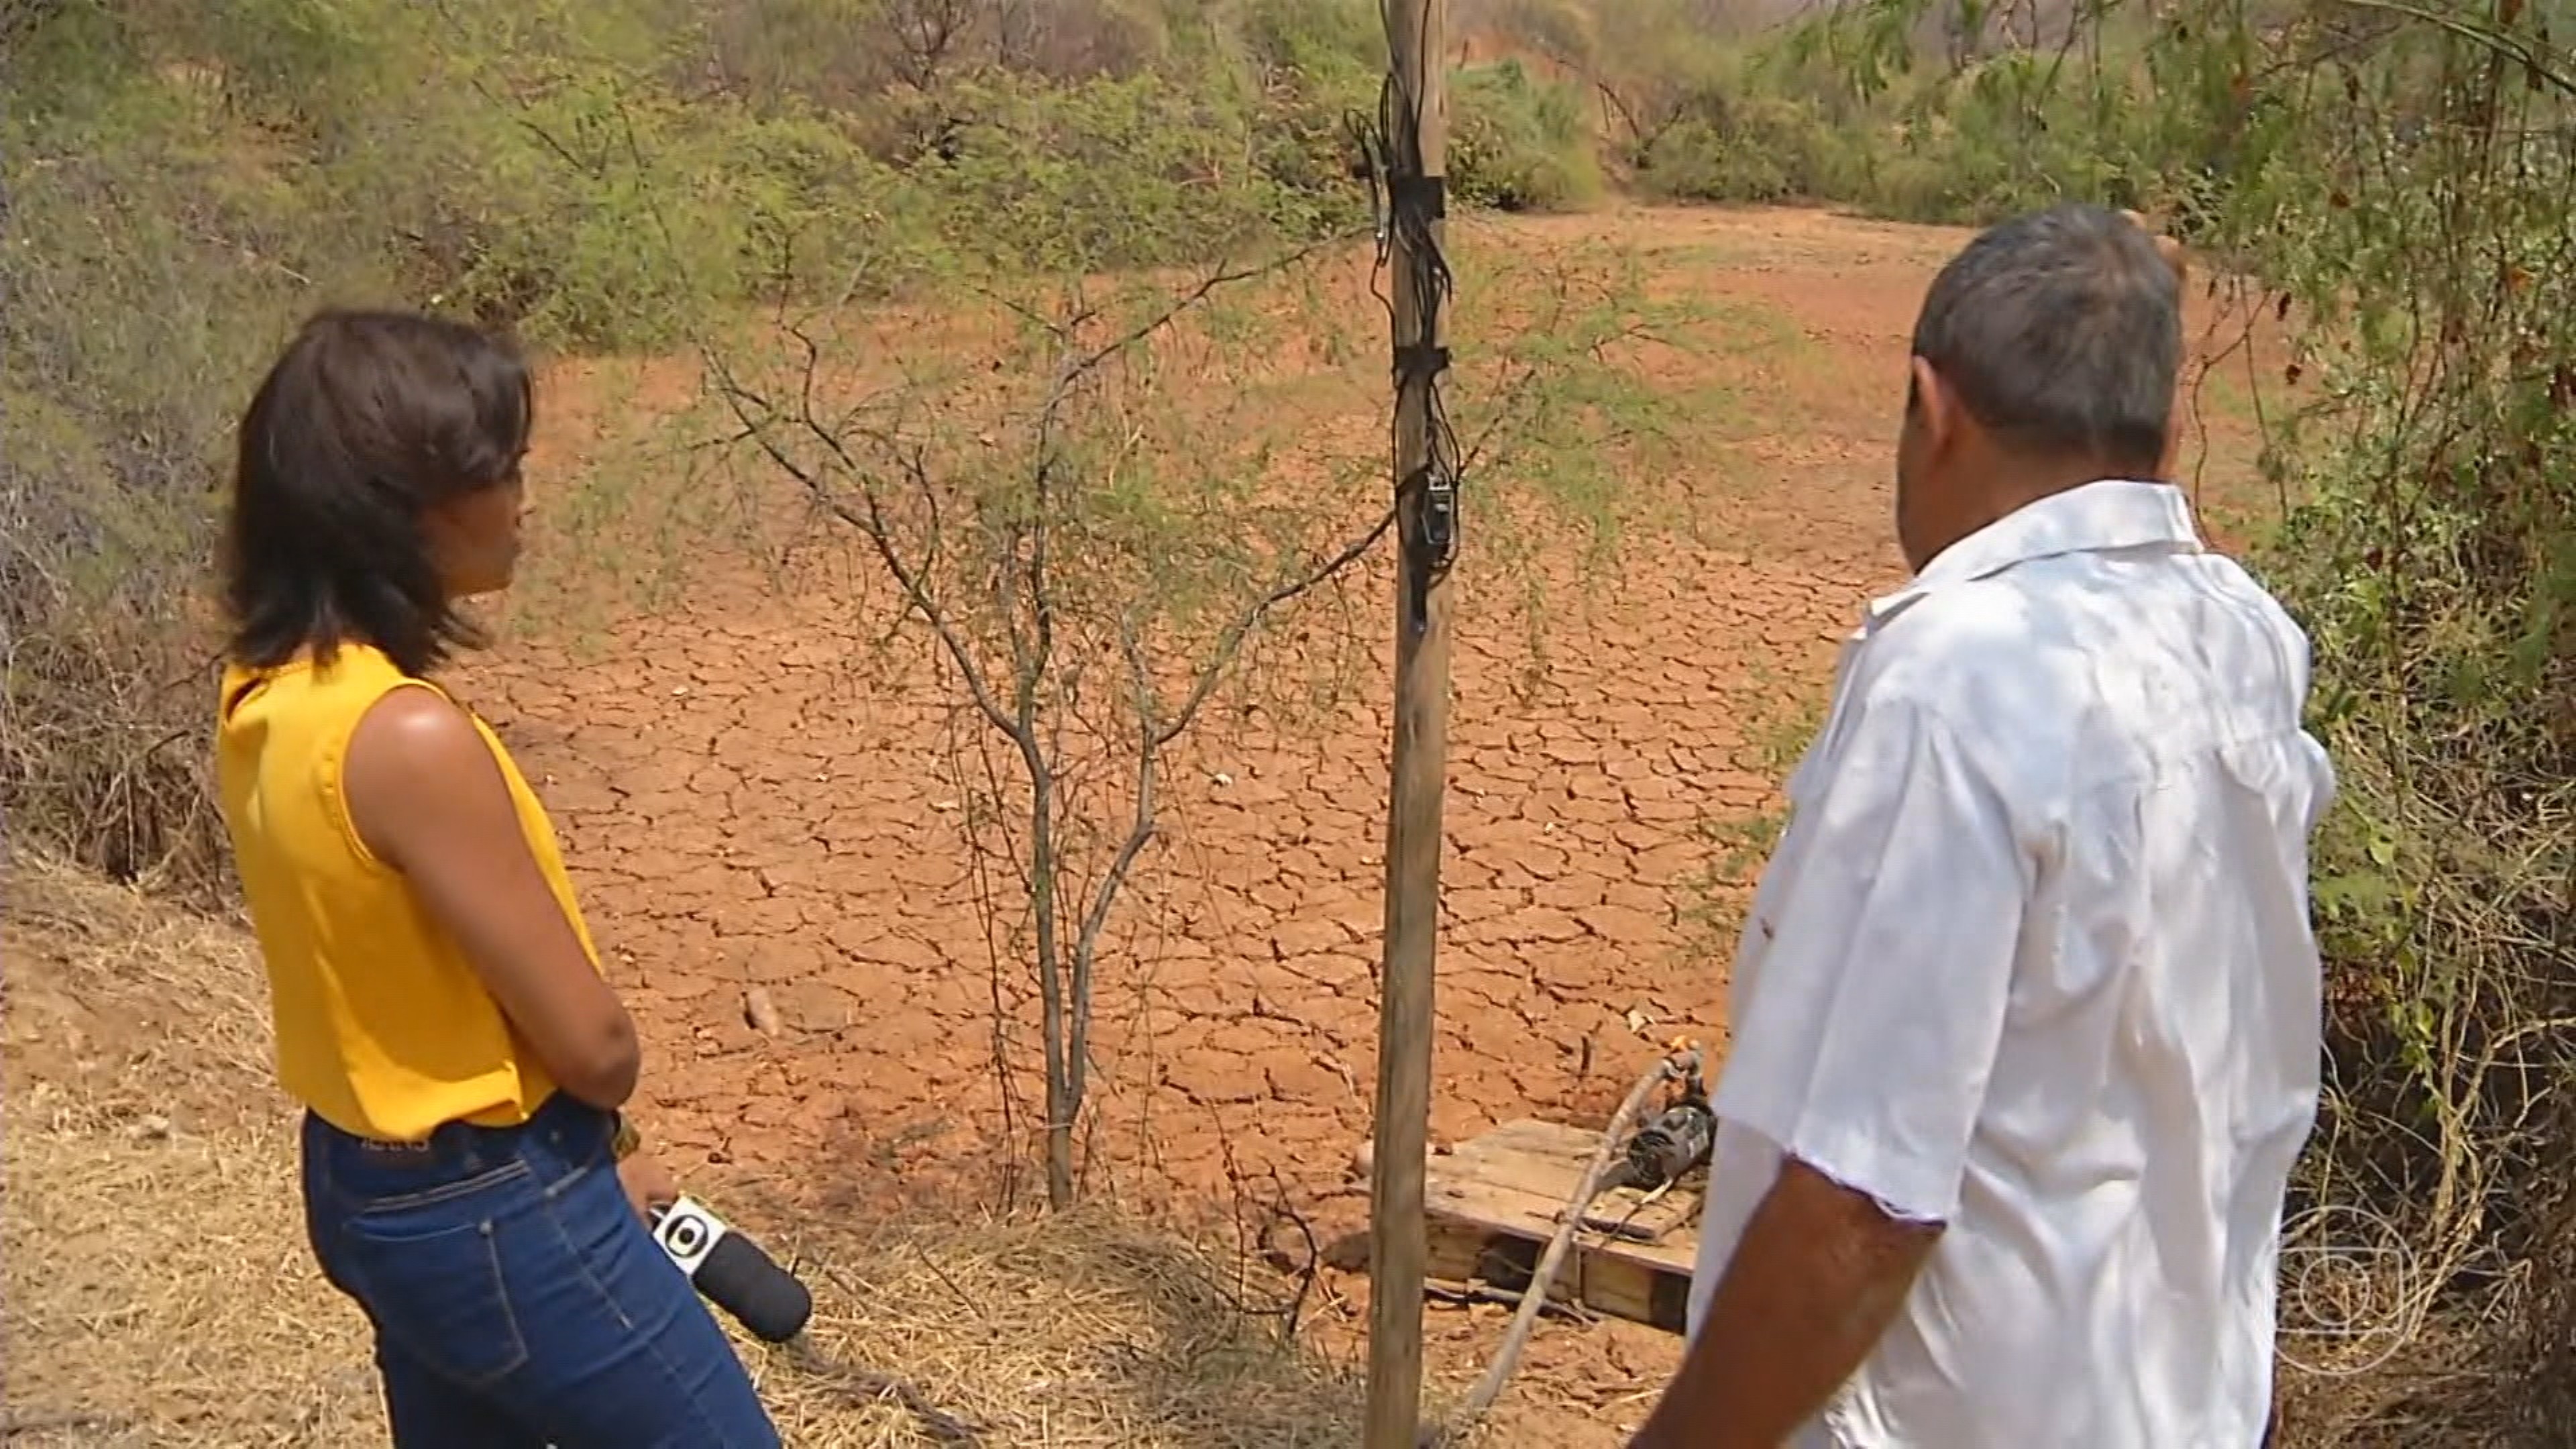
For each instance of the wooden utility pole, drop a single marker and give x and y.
(1417, 36)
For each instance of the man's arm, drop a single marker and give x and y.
(1817, 1277)
(1861, 1051)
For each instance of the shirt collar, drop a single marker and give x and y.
(2097, 517)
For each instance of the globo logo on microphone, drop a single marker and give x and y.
(687, 1233)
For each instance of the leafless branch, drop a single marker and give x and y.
(1207, 286)
(869, 518)
(1140, 832)
(1230, 639)
(927, 35)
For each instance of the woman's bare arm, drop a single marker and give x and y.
(426, 795)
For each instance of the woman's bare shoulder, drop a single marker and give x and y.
(416, 756)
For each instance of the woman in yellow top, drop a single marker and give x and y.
(439, 1008)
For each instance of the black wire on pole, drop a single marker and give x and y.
(1404, 204)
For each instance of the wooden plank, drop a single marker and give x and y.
(1494, 1201)
(1603, 1276)
(1518, 1177)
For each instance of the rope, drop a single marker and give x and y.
(1480, 1400)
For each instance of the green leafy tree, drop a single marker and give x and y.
(2381, 189)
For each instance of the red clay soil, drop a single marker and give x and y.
(750, 804)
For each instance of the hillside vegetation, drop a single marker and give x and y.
(185, 181)
(2382, 183)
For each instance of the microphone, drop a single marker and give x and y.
(732, 1271)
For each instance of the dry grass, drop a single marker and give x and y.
(1064, 1332)
(159, 1290)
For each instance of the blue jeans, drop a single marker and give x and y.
(518, 1302)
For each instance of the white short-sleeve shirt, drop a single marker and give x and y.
(2033, 959)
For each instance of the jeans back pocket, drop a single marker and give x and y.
(433, 1283)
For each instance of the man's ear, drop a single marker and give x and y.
(1935, 406)
(2175, 257)
(2167, 246)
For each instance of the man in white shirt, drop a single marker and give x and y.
(2026, 1016)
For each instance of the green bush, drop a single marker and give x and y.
(1813, 114)
(110, 364)
(1696, 161)
(1336, 47)
(1097, 175)
(1760, 149)
(1315, 64)
(1518, 143)
(188, 181)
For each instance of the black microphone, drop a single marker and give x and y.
(732, 1271)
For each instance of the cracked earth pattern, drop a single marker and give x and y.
(747, 807)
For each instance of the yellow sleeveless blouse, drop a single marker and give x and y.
(383, 1028)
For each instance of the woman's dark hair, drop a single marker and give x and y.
(367, 420)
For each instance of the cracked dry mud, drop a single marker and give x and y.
(750, 804)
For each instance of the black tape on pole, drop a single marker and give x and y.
(1418, 362)
(1422, 198)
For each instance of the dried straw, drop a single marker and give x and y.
(159, 1290)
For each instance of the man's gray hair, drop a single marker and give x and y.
(2062, 332)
